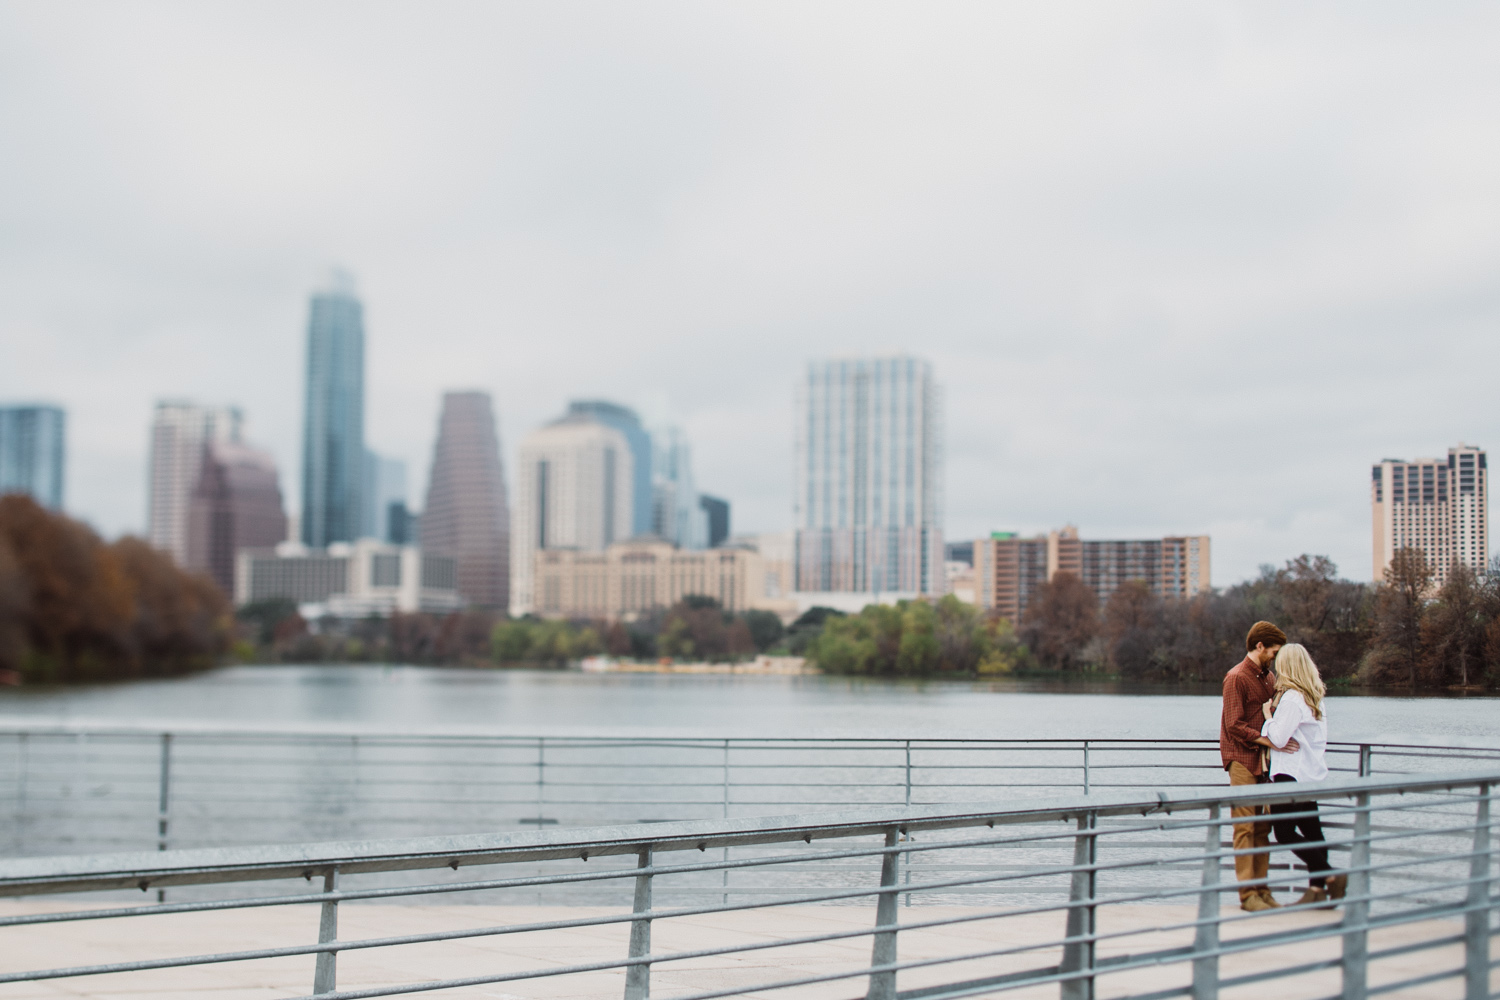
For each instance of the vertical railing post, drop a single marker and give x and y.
(164, 802)
(1085, 767)
(724, 875)
(541, 778)
(638, 977)
(23, 771)
(1357, 909)
(1364, 760)
(325, 978)
(908, 772)
(1206, 940)
(1078, 956)
(352, 817)
(883, 952)
(164, 792)
(1477, 919)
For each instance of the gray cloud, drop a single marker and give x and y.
(1181, 268)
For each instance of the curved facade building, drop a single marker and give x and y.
(467, 514)
(574, 490)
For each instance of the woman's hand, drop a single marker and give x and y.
(1268, 709)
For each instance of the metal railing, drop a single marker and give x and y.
(1419, 914)
(68, 790)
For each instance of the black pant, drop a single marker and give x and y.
(1307, 830)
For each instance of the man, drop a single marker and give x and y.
(1247, 687)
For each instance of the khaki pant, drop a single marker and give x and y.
(1249, 867)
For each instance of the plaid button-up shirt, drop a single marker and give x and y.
(1246, 688)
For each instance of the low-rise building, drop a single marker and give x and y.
(636, 577)
(367, 577)
(1009, 569)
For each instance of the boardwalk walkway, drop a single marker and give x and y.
(41, 946)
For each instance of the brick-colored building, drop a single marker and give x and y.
(1009, 569)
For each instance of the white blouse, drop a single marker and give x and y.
(1293, 719)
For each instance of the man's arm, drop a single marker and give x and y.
(1239, 726)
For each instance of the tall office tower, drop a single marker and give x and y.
(180, 431)
(624, 420)
(716, 514)
(1441, 508)
(467, 515)
(676, 514)
(235, 505)
(868, 502)
(31, 452)
(1008, 570)
(574, 489)
(333, 438)
(385, 497)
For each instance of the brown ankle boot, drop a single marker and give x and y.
(1314, 895)
(1336, 885)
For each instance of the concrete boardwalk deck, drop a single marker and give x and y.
(89, 942)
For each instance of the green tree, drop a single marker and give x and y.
(765, 628)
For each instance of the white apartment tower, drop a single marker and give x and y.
(179, 433)
(574, 489)
(868, 506)
(1438, 506)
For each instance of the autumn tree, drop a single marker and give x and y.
(1453, 630)
(1060, 622)
(1132, 625)
(1401, 607)
(73, 608)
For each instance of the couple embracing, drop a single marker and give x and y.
(1275, 729)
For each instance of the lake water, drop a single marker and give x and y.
(406, 699)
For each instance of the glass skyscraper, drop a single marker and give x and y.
(333, 441)
(869, 501)
(31, 453)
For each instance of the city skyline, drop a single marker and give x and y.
(1192, 327)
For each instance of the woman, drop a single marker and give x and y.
(1297, 712)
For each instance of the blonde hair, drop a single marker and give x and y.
(1296, 671)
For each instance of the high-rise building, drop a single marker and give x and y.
(676, 514)
(574, 489)
(180, 431)
(467, 515)
(625, 420)
(716, 513)
(1439, 507)
(385, 497)
(333, 438)
(235, 505)
(1008, 570)
(32, 452)
(868, 506)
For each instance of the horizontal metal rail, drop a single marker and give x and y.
(1417, 851)
(79, 789)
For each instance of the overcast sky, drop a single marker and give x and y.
(1181, 267)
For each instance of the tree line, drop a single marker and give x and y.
(76, 608)
(1404, 631)
(697, 628)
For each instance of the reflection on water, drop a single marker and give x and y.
(427, 699)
